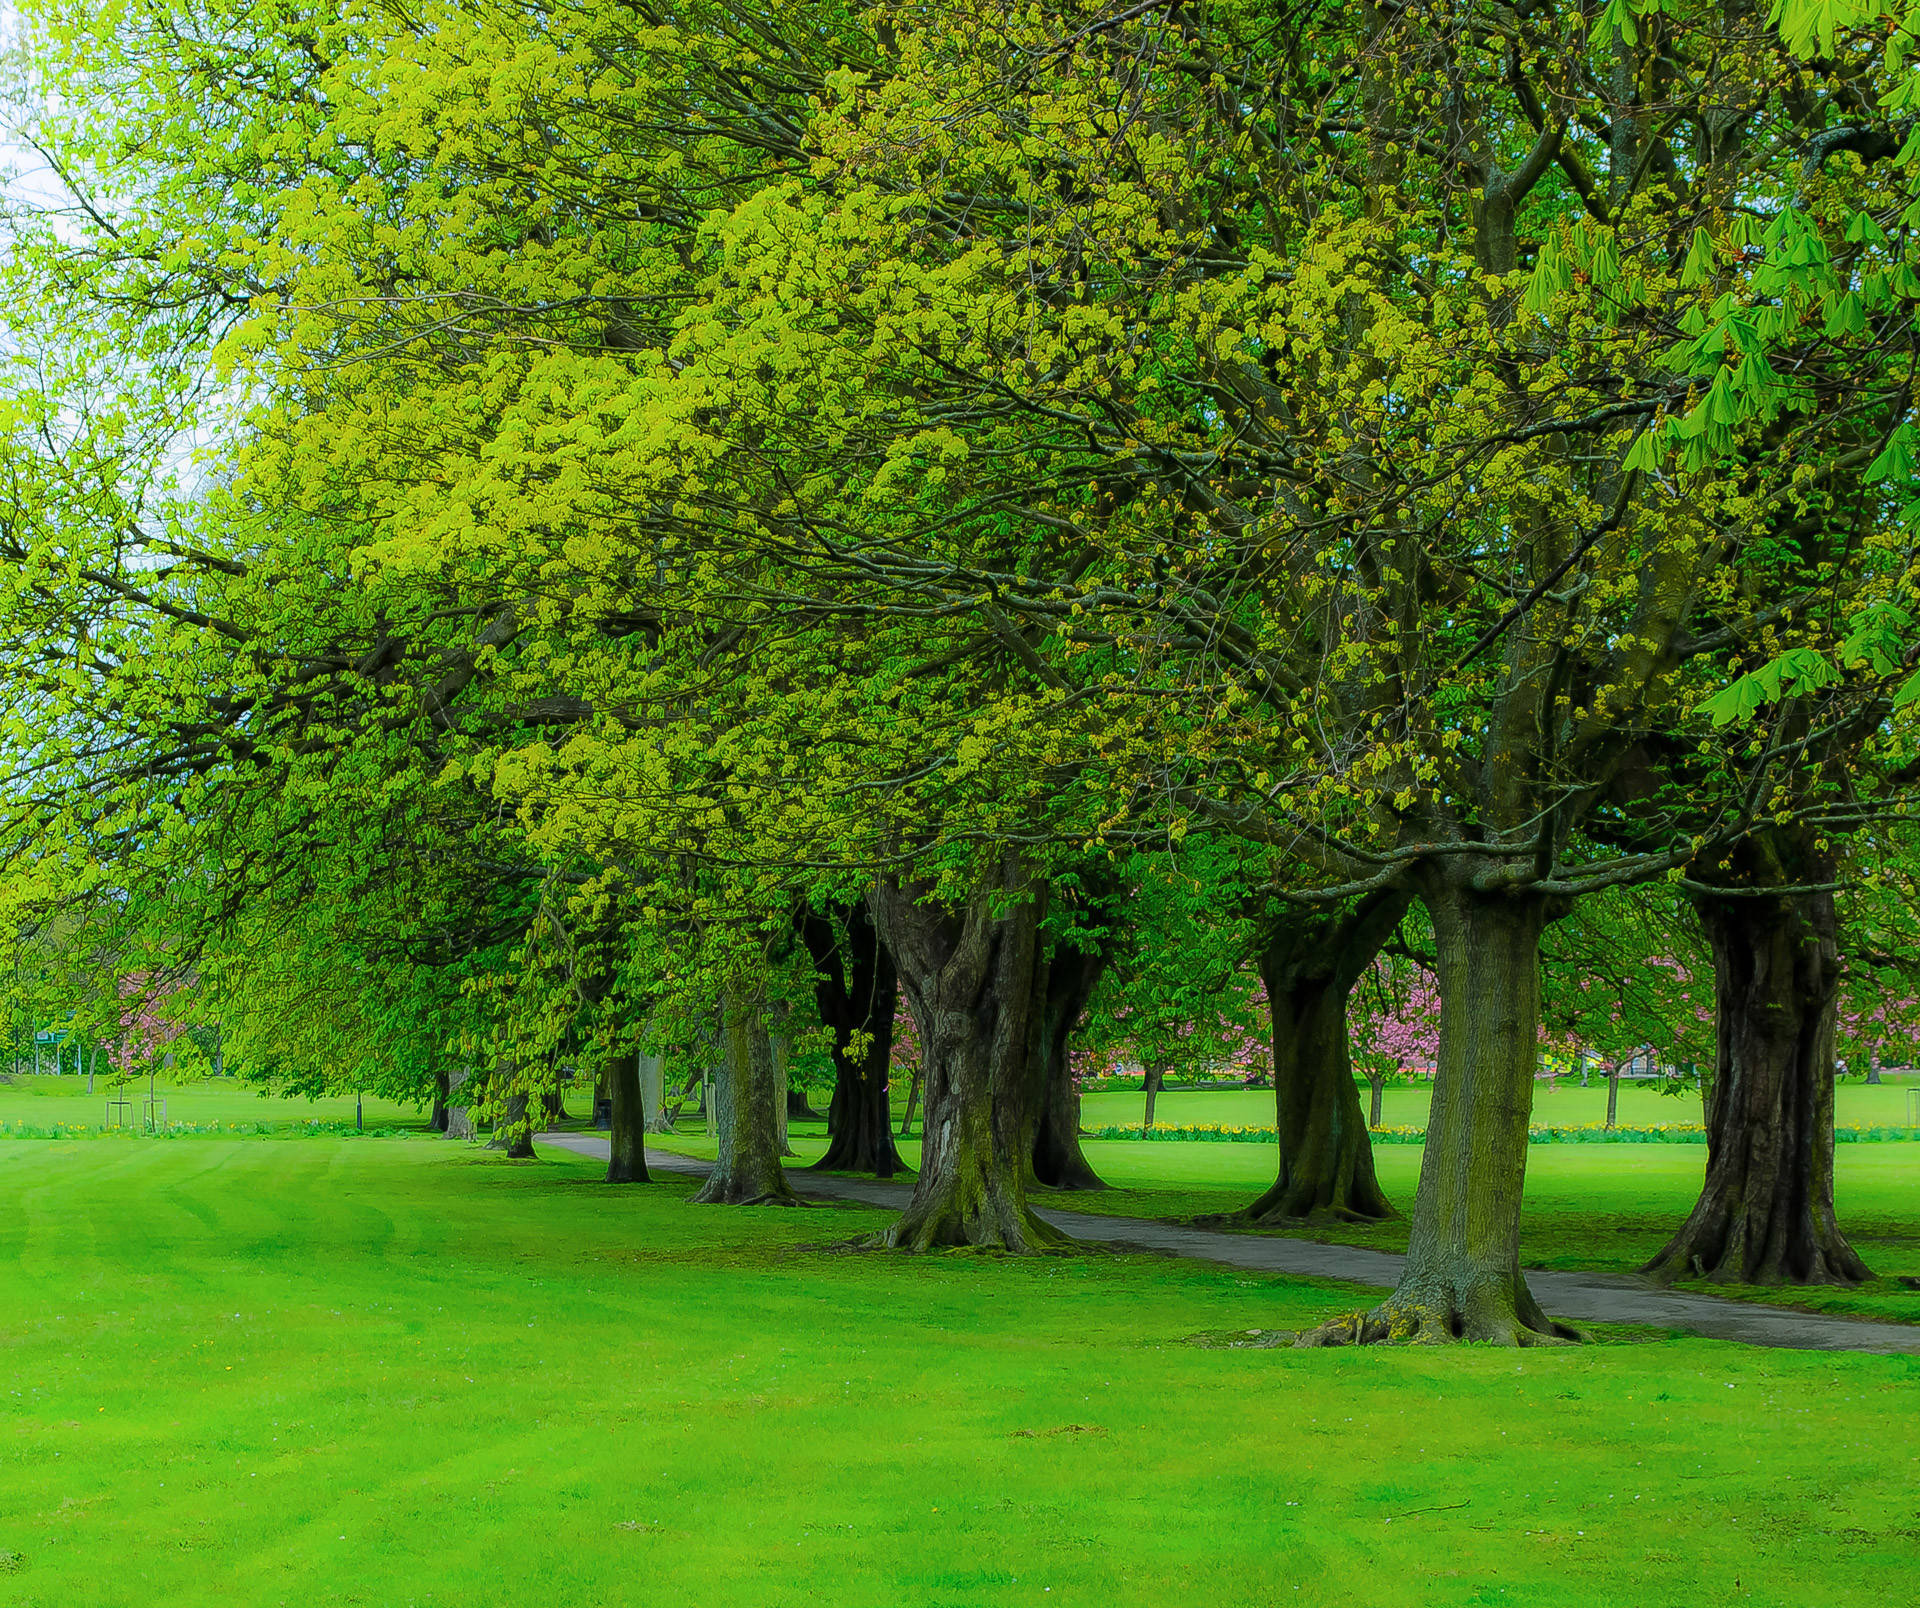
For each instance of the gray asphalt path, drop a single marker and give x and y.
(1582, 1297)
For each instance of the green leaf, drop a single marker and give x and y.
(1615, 19)
(1805, 668)
(1896, 458)
(1862, 230)
(1550, 276)
(1644, 454)
(1701, 260)
(1722, 404)
(1876, 637)
(1846, 316)
(1739, 702)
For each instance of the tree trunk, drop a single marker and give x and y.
(1873, 1069)
(515, 1129)
(627, 1158)
(913, 1096)
(1765, 1213)
(857, 992)
(746, 1100)
(1613, 1092)
(1058, 1162)
(653, 1092)
(969, 979)
(1377, 1082)
(798, 1108)
(1326, 1155)
(1309, 966)
(459, 1117)
(782, 1046)
(552, 1103)
(442, 1087)
(1152, 1075)
(1462, 1279)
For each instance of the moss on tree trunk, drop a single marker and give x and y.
(747, 1085)
(1765, 1213)
(1462, 1279)
(969, 978)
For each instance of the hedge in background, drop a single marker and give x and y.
(1592, 1134)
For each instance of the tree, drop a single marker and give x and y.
(1765, 1213)
(1310, 962)
(855, 994)
(968, 975)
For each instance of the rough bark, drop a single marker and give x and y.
(627, 1156)
(1326, 1155)
(437, 1123)
(1462, 1279)
(1765, 1213)
(1073, 973)
(459, 1117)
(1309, 964)
(653, 1092)
(969, 976)
(857, 992)
(782, 1043)
(748, 1096)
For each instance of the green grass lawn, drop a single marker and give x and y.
(43, 1101)
(401, 1372)
(1560, 1104)
(1603, 1207)
(1606, 1207)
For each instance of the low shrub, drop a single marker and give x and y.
(189, 1130)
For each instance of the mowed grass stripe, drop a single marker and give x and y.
(479, 1374)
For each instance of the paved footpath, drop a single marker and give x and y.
(1583, 1297)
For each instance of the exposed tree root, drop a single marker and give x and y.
(751, 1200)
(1487, 1316)
(717, 1191)
(990, 1226)
(1808, 1259)
(1251, 1217)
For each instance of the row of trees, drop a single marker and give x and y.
(584, 526)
